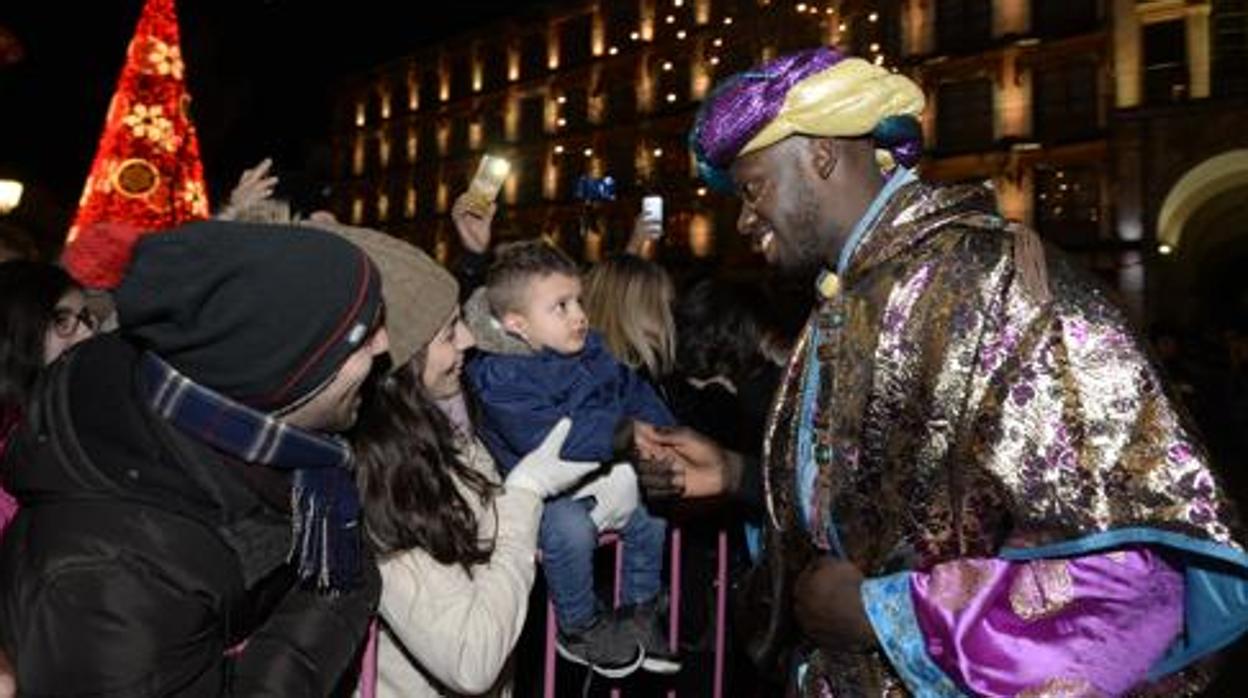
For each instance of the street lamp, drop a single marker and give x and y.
(10, 195)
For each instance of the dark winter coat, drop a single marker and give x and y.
(140, 556)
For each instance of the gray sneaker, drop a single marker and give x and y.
(609, 648)
(650, 632)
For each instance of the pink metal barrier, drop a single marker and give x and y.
(721, 584)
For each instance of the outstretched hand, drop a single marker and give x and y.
(678, 461)
(254, 185)
(472, 218)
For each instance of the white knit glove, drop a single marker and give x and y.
(615, 496)
(543, 472)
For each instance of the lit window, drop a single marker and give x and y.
(701, 237)
(357, 156)
(444, 138)
(383, 149)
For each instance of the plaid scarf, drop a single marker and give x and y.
(325, 505)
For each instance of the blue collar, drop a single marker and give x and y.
(900, 178)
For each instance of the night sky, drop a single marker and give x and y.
(260, 73)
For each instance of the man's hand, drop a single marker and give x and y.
(827, 603)
(8, 678)
(679, 460)
(472, 221)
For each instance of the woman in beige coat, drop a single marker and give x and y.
(456, 546)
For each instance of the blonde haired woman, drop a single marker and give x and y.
(629, 300)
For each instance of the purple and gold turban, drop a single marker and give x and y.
(817, 92)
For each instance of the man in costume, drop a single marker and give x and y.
(972, 473)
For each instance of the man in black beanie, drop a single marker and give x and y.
(189, 523)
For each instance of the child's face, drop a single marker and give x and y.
(552, 317)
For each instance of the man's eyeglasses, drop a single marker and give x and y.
(65, 321)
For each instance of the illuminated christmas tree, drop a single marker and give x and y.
(147, 174)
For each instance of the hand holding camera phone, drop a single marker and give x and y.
(652, 216)
(486, 183)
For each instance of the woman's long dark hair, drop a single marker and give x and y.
(407, 466)
(29, 292)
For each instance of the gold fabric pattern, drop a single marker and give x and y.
(1042, 589)
(954, 585)
(1062, 688)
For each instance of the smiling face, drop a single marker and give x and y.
(444, 358)
(801, 197)
(551, 316)
(780, 205)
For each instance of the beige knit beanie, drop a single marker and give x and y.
(420, 294)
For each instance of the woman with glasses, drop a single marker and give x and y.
(42, 313)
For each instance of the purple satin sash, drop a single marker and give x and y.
(1091, 625)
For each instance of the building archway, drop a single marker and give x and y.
(1202, 231)
(1199, 185)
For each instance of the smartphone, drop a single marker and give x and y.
(652, 210)
(488, 180)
